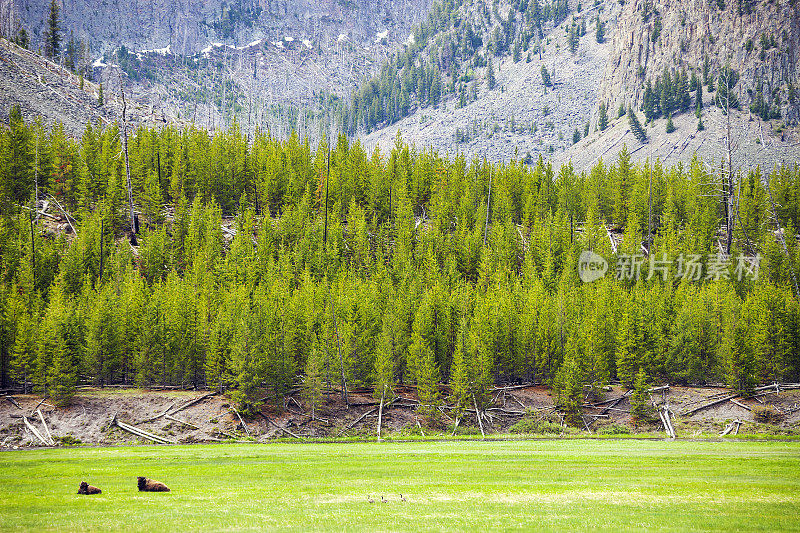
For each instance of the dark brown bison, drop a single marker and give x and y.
(149, 485)
(85, 488)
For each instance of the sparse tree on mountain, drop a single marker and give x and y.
(670, 125)
(52, 34)
(602, 120)
(490, 79)
(600, 32)
(573, 38)
(636, 126)
(546, 77)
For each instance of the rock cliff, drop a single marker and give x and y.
(760, 39)
(188, 26)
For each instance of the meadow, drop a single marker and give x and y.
(478, 486)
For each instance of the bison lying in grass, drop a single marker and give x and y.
(149, 485)
(85, 488)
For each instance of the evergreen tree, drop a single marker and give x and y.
(426, 375)
(490, 79)
(312, 386)
(600, 32)
(576, 136)
(636, 126)
(641, 408)
(649, 105)
(740, 360)
(670, 125)
(572, 41)
(100, 100)
(460, 375)
(52, 34)
(71, 55)
(21, 38)
(698, 98)
(602, 121)
(546, 77)
(627, 345)
(569, 392)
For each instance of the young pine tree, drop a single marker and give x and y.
(312, 386)
(600, 32)
(427, 377)
(636, 126)
(546, 77)
(670, 125)
(602, 121)
(641, 409)
(490, 79)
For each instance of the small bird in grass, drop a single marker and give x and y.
(383, 500)
(369, 499)
(403, 498)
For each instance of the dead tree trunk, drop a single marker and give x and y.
(127, 163)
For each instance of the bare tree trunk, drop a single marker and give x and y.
(127, 163)
(650, 214)
(729, 183)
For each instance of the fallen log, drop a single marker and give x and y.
(140, 432)
(158, 415)
(35, 431)
(740, 404)
(13, 401)
(512, 387)
(478, 416)
(220, 432)
(613, 405)
(314, 418)
(246, 430)
(690, 412)
(731, 427)
(519, 402)
(380, 413)
(357, 420)
(280, 428)
(46, 429)
(506, 411)
(185, 423)
(193, 402)
(33, 412)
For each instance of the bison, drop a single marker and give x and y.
(149, 485)
(85, 488)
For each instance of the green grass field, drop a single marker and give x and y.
(477, 486)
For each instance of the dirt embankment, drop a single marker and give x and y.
(199, 416)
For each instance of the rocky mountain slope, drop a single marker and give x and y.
(520, 116)
(755, 144)
(43, 89)
(645, 39)
(188, 26)
(369, 68)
